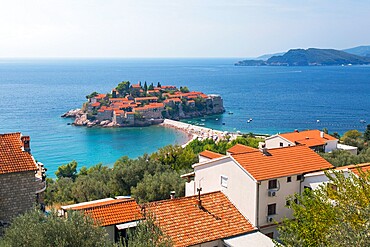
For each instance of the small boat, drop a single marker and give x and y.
(251, 119)
(223, 123)
(201, 124)
(152, 119)
(317, 121)
(362, 121)
(248, 121)
(216, 119)
(203, 120)
(230, 112)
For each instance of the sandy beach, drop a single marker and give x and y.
(198, 132)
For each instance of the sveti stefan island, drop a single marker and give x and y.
(184, 123)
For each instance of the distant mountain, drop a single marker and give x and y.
(309, 57)
(363, 51)
(267, 56)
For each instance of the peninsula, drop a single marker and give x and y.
(310, 57)
(130, 105)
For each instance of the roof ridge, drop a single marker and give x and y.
(153, 203)
(102, 204)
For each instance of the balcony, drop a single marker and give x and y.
(40, 185)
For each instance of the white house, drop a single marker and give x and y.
(256, 181)
(314, 139)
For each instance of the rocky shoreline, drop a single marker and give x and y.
(81, 119)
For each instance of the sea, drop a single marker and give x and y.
(34, 93)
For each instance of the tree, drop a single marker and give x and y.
(367, 133)
(148, 234)
(67, 171)
(92, 95)
(353, 138)
(335, 214)
(184, 89)
(151, 86)
(159, 84)
(123, 88)
(158, 186)
(145, 87)
(34, 229)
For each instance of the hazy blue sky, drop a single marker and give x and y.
(178, 28)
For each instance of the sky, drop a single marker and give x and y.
(178, 28)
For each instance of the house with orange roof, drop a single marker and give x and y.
(205, 219)
(315, 179)
(116, 215)
(314, 139)
(257, 181)
(22, 179)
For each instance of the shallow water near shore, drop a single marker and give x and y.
(34, 93)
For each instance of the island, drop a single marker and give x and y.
(309, 57)
(130, 105)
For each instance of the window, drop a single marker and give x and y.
(271, 209)
(281, 144)
(224, 181)
(299, 177)
(289, 179)
(272, 184)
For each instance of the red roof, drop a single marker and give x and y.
(12, 158)
(96, 104)
(239, 148)
(310, 138)
(100, 96)
(281, 162)
(365, 167)
(187, 224)
(136, 86)
(145, 98)
(211, 155)
(112, 212)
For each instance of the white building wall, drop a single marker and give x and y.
(331, 145)
(274, 142)
(240, 189)
(216, 243)
(202, 158)
(284, 190)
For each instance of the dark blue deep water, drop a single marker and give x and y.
(34, 93)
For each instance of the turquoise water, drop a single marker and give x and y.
(34, 93)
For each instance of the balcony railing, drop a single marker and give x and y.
(40, 185)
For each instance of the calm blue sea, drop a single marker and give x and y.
(34, 93)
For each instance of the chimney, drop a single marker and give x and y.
(199, 201)
(322, 134)
(26, 144)
(172, 194)
(264, 151)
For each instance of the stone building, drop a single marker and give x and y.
(22, 179)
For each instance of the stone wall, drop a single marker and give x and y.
(17, 194)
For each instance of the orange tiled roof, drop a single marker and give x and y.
(281, 162)
(365, 167)
(12, 158)
(210, 155)
(96, 104)
(136, 86)
(100, 96)
(112, 212)
(145, 98)
(308, 137)
(187, 224)
(239, 148)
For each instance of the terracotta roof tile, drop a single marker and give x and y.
(310, 138)
(12, 158)
(281, 162)
(112, 212)
(365, 167)
(239, 148)
(187, 224)
(210, 155)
